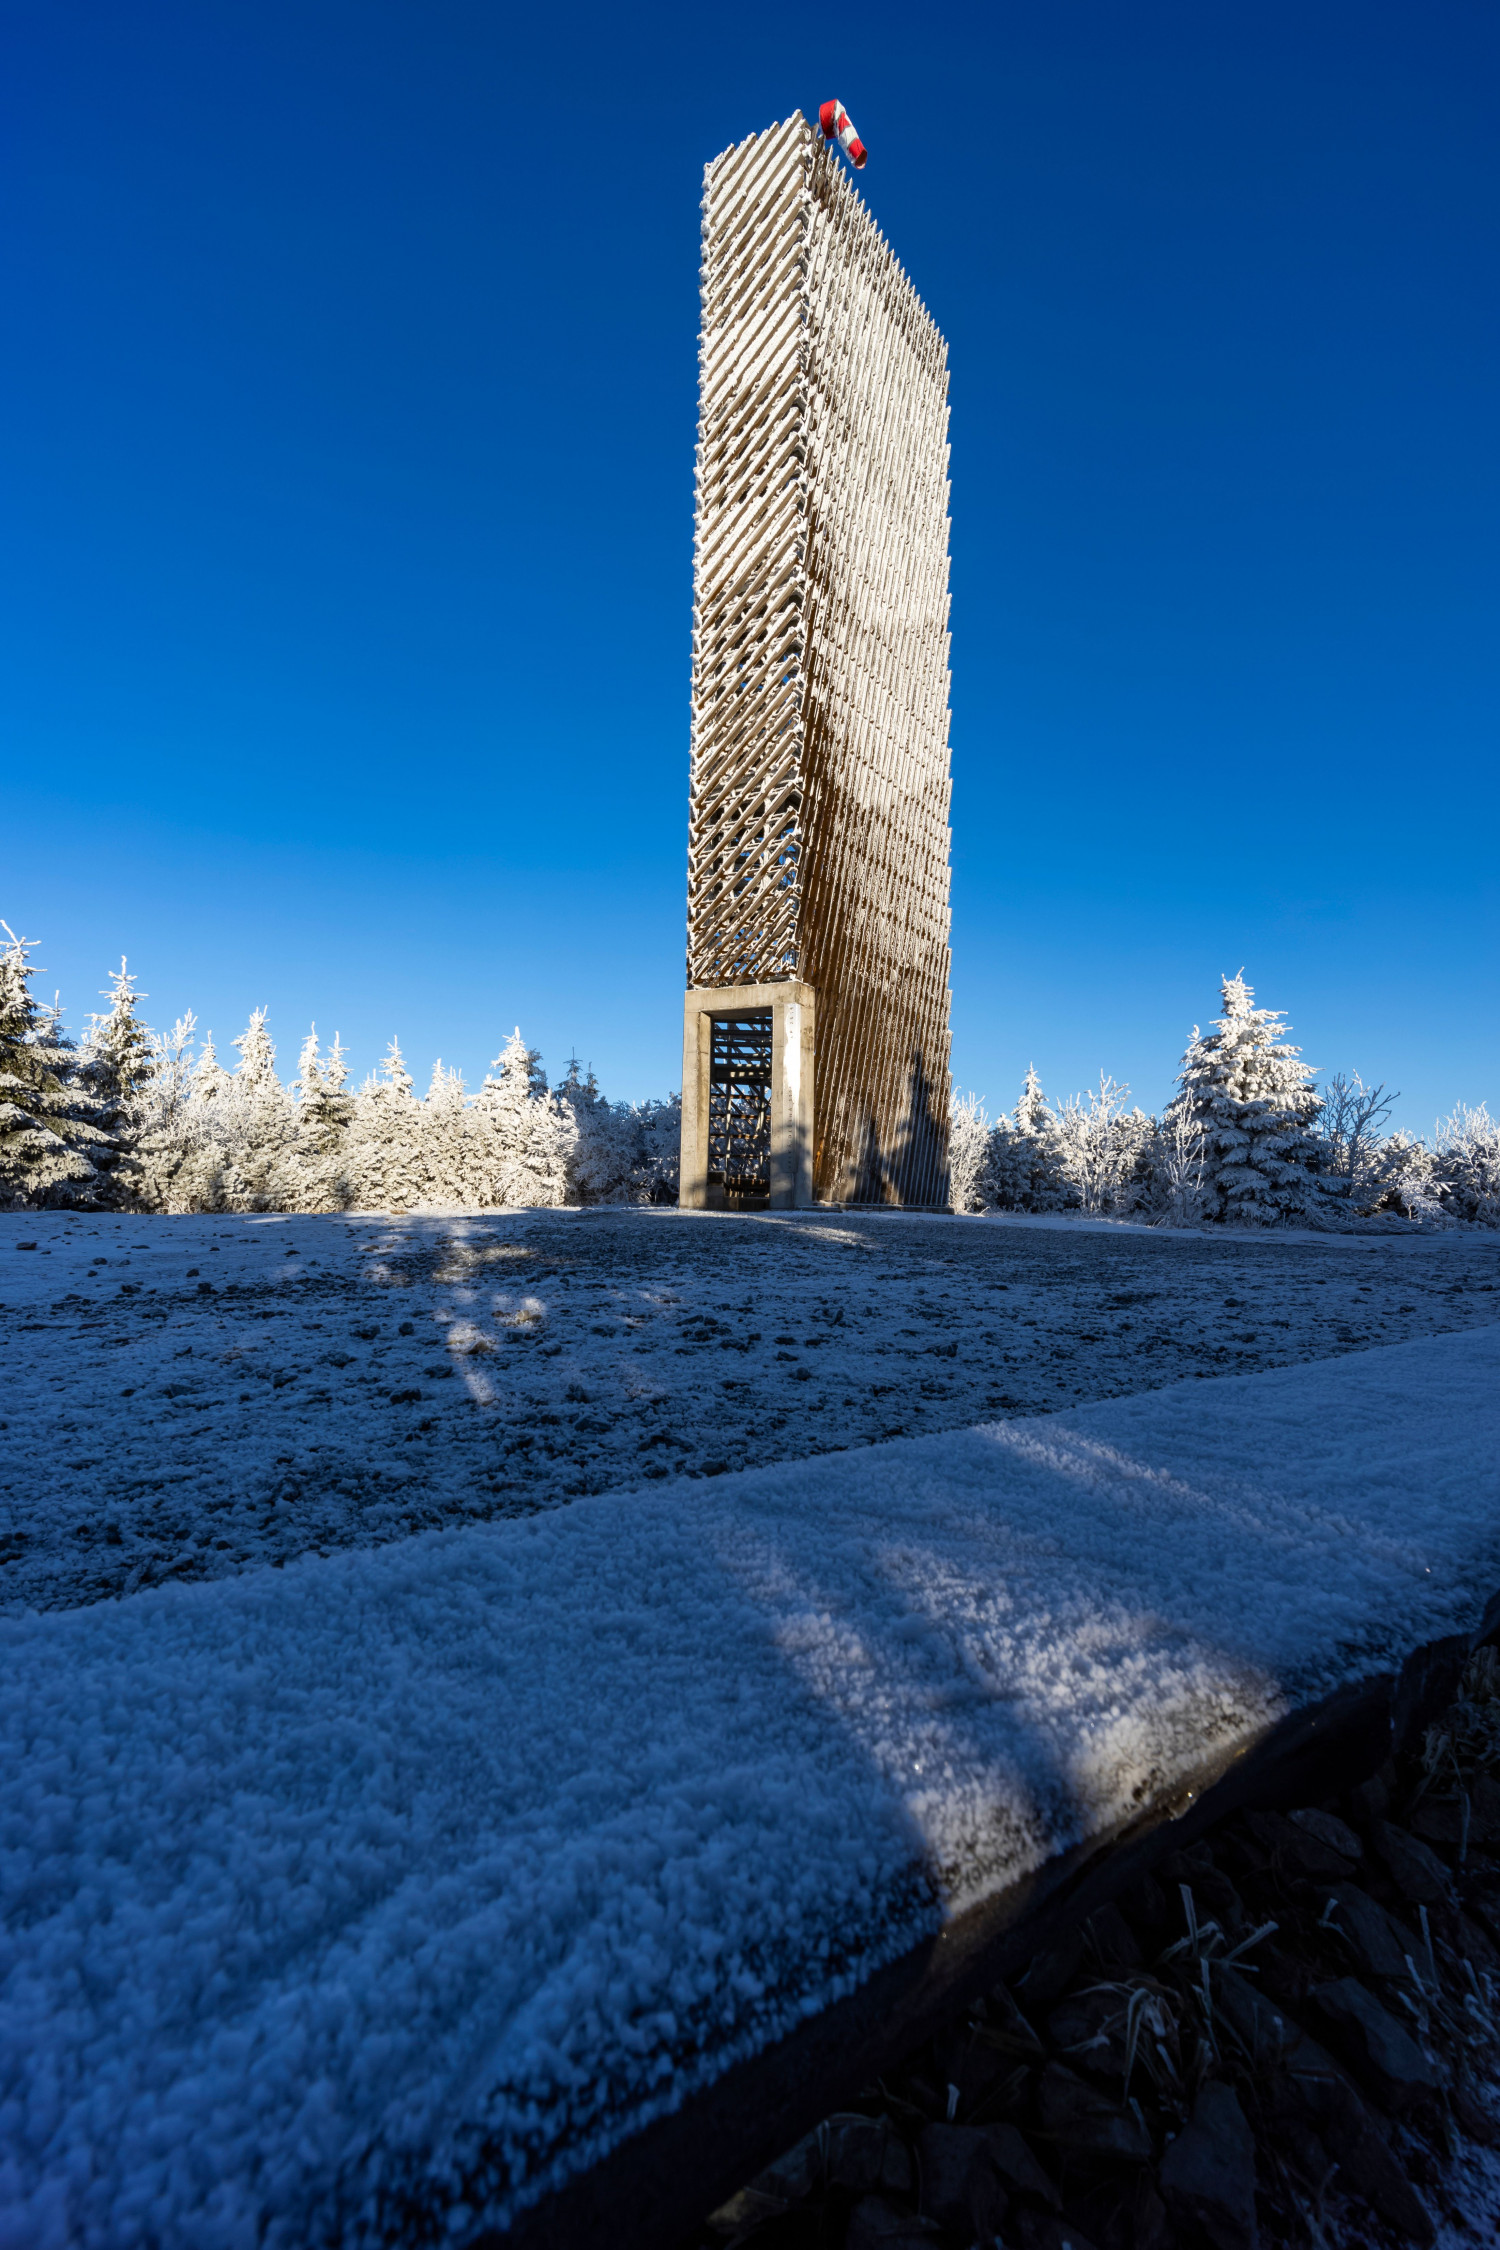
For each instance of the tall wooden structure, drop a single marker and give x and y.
(815, 1063)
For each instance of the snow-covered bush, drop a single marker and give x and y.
(968, 1148)
(658, 1168)
(1466, 1165)
(1399, 1179)
(1090, 1155)
(625, 1152)
(1350, 1139)
(1176, 1171)
(1248, 1092)
(1104, 1149)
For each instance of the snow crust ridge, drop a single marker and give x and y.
(416, 1878)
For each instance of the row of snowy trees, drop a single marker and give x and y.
(1248, 1138)
(132, 1119)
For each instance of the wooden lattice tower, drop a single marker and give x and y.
(818, 851)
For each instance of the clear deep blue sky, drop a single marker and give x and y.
(346, 427)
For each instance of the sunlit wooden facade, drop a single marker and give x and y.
(818, 846)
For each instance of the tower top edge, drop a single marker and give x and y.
(790, 129)
(770, 161)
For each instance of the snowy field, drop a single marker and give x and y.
(193, 1397)
(362, 1900)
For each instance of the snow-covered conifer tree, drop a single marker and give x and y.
(1031, 1112)
(528, 1137)
(323, 1107)
(257, 1063)
(1249, 1093)
(1023, 1169)
(210, 1078)
(384, 1151)
(656, 1173)
(309, 1074)
(115, 1067)
(313, 1167)
(164, 1122)
(453, 1161)
(49, 1145)
(195, 1146)
(254, 1124)
(607, 1141)
(393, 1070)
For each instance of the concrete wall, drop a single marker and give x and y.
(793, 1009)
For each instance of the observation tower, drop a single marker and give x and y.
(815, 1053)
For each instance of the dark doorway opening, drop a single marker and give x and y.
(739, 1111)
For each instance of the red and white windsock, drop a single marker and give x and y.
(834, 119)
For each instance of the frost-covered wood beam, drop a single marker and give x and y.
(818, 846)
(533, 1885)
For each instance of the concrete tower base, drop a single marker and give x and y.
(792, 1011)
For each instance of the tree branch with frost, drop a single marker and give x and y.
(1100, 1144)
(968, 1146)
(1350, 1125)
(1466, 1164)
(1180, 1166)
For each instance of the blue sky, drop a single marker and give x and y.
(347, 359)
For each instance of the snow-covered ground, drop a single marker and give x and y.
(193, 1397)
(1472, 2186)
(409, 1880)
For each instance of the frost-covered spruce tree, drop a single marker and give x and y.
(527, 1137)
(49, 1145)
(656, 1174)
(253, 1124)
(163, 1121)
(196, 1142)
(115, 1066)
(1032, 1114)
(1023, 1168)
(453, 1161)
(210, 1078)
(323, 1107)
(384, 1153)
(607, 1146)
(314, 1165)
(1248, 1091)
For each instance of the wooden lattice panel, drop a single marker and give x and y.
(819, 812)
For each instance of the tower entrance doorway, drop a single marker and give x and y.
(739, 1110)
